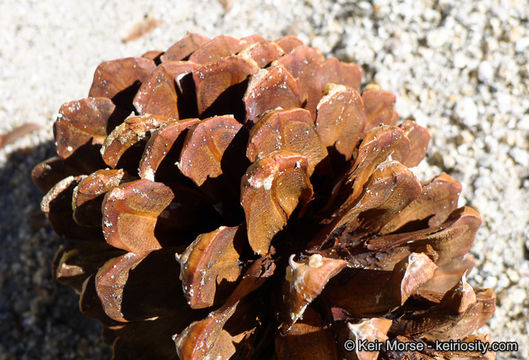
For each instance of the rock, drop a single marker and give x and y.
(485, 72)
(467, 111)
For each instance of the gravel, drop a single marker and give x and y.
(459, 68)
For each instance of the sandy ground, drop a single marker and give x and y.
(458, 68)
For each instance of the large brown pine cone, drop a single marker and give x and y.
(239, 198)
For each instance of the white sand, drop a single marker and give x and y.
(459, 68)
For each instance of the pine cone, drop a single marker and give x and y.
(241, 199)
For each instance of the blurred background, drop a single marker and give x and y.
(458, 68)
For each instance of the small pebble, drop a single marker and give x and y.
(467, 111)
